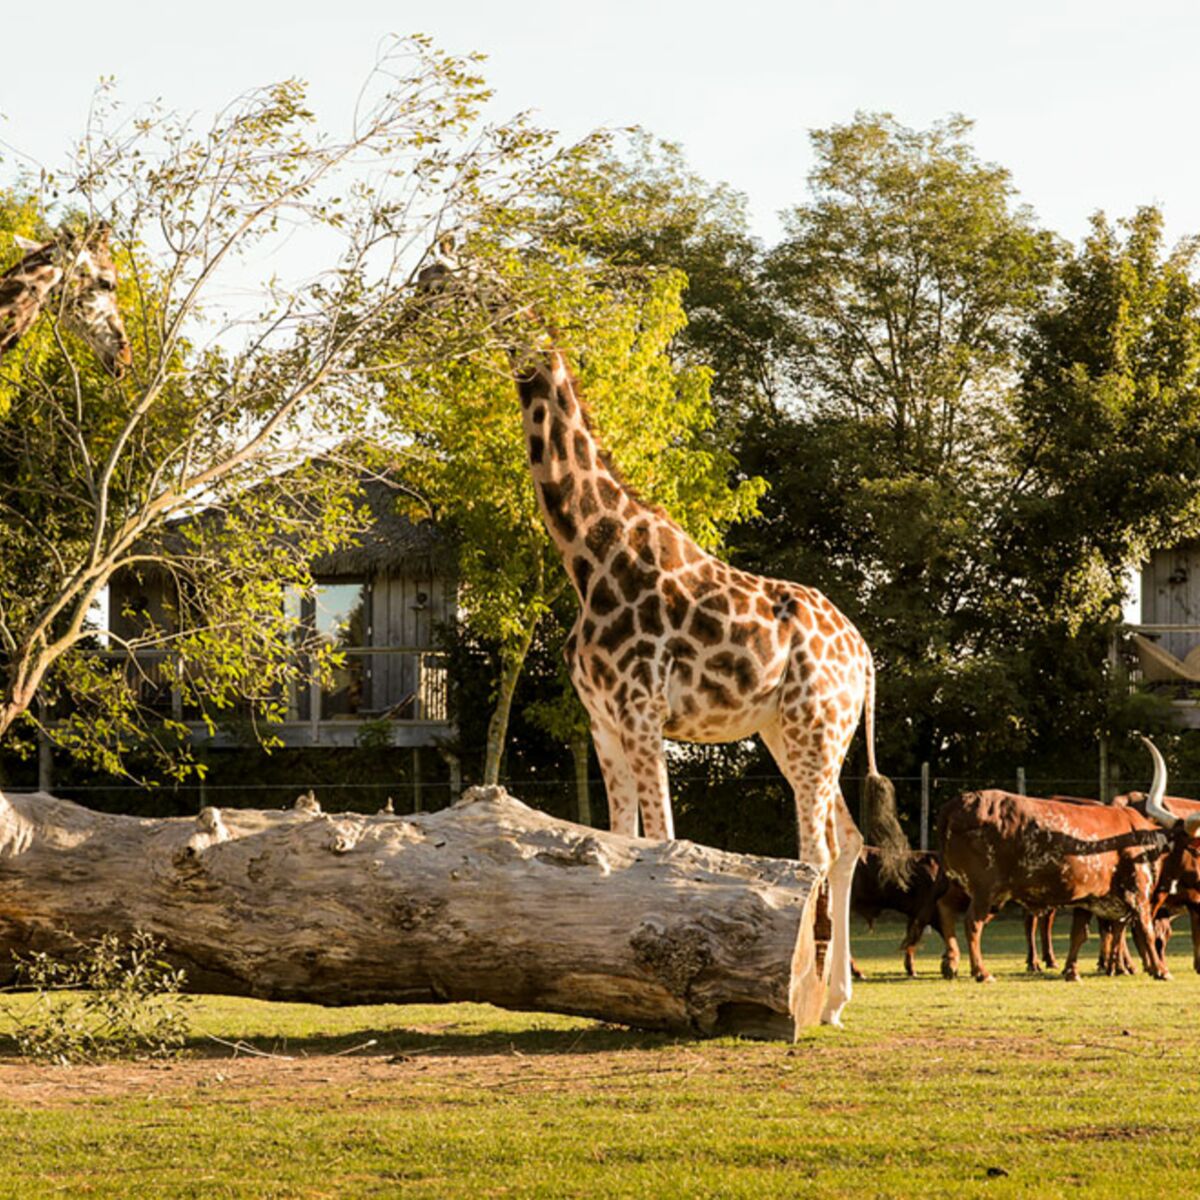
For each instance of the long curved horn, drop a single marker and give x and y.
(1154, 805)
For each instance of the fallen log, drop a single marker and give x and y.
(488, 900)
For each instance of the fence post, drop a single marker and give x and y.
(924, 806)
(1020, 781)
(1104, 797)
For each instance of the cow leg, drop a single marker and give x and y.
(1194, 919)
(1048, 940)
(1123, 963)
(1143, 935)
(1079, 933)
(912, 938)
(978, 915)
(855, 973)
(947, 918)
(1031, 958)
(1106, 960)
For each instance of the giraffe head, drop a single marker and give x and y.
(88, 278)
(91, 310)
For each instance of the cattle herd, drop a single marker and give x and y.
(1134, 864)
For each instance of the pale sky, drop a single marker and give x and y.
(1089, 104)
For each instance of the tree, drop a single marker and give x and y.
(224, 407)
(636, 203)
(1109, 414)
(905, 285)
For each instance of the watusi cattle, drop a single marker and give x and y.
(1050, 854)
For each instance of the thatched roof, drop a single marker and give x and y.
(392, 543)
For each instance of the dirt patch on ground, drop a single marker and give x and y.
(30, 1085)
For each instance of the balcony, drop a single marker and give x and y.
(1165, 659)
(386, 694)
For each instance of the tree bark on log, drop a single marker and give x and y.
(488, 900)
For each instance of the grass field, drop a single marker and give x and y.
(1029, 1087)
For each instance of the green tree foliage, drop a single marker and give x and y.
(225, 406)
(637, 203)
(1109, 418)
(905, 284)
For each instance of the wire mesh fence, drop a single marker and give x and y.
(558, 796)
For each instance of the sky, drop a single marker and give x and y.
(1089, 105)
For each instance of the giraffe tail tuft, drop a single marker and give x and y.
(881, 821)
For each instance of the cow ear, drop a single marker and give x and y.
(26, 244)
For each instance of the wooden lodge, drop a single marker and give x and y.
(380, 603)
(1165, 643)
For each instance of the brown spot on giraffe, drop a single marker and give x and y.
(669, 557)
(705, 629)
(602, 536)
(618, 631)
(677, 604)
(609, 493)
(650, 615)
(582, 570)
(558, 439)
(588, 506)
(633, 580)
(603, 599)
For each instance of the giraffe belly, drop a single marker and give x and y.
(720, 725)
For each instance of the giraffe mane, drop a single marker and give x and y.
(603, 454)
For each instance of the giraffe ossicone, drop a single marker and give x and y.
(76, 278)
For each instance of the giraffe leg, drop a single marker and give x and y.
(809, 754)
(619, 784)
(654, 791)
(848, 846)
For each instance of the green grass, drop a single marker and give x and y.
(1084, 1089)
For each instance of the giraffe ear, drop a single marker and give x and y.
(26, 244)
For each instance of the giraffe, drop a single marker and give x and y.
(670, 641)
(82, 273)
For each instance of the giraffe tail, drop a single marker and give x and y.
(881, 820)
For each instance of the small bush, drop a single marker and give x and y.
(113, 999)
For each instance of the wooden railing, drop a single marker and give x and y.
(390, 683)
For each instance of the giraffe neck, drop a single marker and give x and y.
(24, 290)
(594, 520)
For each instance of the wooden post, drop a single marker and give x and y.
(314, 711)
(1021, 781)
(580, 747)
(418, 799)
(454, 763)
(45, 751)
(1104, 793)
(924, 806)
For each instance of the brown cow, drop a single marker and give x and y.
(1050, 854)
(921, 897)
(1178, 889)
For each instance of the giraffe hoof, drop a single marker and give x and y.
(833, 1017)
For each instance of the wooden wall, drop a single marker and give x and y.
(398, 619)
(1171, 595)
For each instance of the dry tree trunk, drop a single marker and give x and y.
(488, 900)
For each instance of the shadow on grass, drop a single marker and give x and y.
(602, 1039)
(450, 1043)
